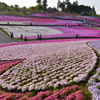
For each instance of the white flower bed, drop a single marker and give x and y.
(94, 81)
(11, 22)
(95, 45)
(47, 65)
(94, 87)
(29, 30)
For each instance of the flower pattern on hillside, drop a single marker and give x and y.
(5, 65)
(47, 65)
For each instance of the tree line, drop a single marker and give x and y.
(67, 6)
(42, 6)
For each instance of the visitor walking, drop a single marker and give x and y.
(11, 35)
(21, 37)
(25, 39)
(39, 36)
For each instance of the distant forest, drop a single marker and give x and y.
(65, 6)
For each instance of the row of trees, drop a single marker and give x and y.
(40, 7)
(65, 6)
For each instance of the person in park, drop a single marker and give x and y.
(30, 23)
(21, 37)
(8, 23)
(25, 39)
(39, 36)
(11, 35)
(77, 36)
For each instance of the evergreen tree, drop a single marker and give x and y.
(75, 3)
(45, 4)
(58, 4)
(93, 10)
(62, 5)
(67, 2)
(38, 1)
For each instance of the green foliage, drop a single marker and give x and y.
(39, 7)
(31, 94)
(3, 6)
(12, 13)
(88, 85)
(98, 87)
(93, 72)
(99, 73)
(96, 79)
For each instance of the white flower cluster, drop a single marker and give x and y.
(94, 81)
(29, 30)
(95, 45)
(94, 87)
(12, 22)
(47, 65)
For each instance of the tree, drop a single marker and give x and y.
(45, 4)
(58, 4)
(24, 9)
(67, 2)
(62, 6)
(52, 10)
(93, 10)
(75, 3)
(12, 8)
(39, 7)
(16, 8)
(38, 1)
(31, 9)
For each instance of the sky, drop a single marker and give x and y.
(53, 3)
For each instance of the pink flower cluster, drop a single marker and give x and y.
(13, 96)
(68, 93)
(5, 65)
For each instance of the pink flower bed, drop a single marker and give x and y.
(40, 15)
(67, 93)
(43, 41)
(91, 18)
(38, 21)
(13, 18)
(43, 21)
(71, 32)
(66, 17)
(5, 65)
(13, 96)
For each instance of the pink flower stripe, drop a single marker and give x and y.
(40, 15)
(13, 96)
(43, 21)
(5, 65)
(43, 41)
(68, 93)
(13, 18)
